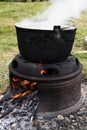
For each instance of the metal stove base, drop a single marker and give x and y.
(66, 111)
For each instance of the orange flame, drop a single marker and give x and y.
(10, 113)
(15, 79)
(21, 94)
(33, 85)
(17, 95)
(43, 71)
(26, 93)
(25, 82)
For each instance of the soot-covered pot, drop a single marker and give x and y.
(45, 46)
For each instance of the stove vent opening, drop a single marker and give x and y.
(49, 71)
(15, 64)
(21, 99)
(23, 85)
(77, 62)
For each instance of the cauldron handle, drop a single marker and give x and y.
(57, 31)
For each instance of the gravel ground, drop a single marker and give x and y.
(76, 121)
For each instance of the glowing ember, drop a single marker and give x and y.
(43, 71)
(9, 102)
(25, 82)
(19, 84)
(24, 86)
(26, 93)
(33, 85)
(17, 96)
(15, 79)
(21, 94)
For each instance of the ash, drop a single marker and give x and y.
(18, 114)
(22, 115)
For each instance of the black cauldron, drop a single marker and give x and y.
(45, 46)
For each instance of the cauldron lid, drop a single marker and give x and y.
(43, 26)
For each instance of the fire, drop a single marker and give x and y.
(17, 96)
(15, 79)
(28, 87)
(43, 71)
(26, 93)
(24, 86)
(33, 85)
(21, 94)
(25, 82)
(21, 89)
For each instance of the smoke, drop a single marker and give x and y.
(56, 14)
(64, 9)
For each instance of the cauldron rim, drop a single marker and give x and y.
(62, 28)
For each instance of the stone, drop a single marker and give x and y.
(75, 124)
(72, 117)
(76, 121)
(45, 123)
(67, 120)
(54, 124)
(72, 127)
(79, 113)
(60, 117)
(1, 96)
(86, 119)
(14, 126)
(79, 117)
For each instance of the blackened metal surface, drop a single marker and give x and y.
(67, 111)
(47, 46)
(58, 95)
(55, 92)
(20, 66)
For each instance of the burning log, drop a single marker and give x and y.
(10, 96)
(10, 102)
(21, 94)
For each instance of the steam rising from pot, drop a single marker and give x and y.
(56, 14)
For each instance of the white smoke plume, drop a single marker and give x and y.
(56, 14)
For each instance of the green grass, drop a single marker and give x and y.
(12, 12)
(81, 24)
(83, 60)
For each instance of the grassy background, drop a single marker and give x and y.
(12, 12)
